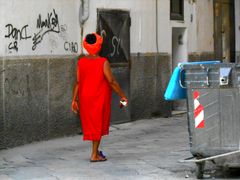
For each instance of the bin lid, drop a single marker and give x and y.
(208, 75)
(174, 90)
(198, 62)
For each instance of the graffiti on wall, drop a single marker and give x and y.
(115, 44)
(71, 46)
(16, 35)
(63, 32)
(45, 25)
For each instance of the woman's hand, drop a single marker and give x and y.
(75, 107)
(124, 99)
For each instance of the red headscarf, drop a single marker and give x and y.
(93, 49)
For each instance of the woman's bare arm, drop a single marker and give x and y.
(75, 107)
(112, 81)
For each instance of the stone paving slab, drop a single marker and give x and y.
(147, 149)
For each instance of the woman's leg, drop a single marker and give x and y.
(95, 152)
(95, 146)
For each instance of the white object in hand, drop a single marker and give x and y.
(124, 103)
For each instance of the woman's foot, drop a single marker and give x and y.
(97, 158)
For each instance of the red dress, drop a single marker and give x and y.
(94, 98)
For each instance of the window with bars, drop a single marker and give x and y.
(177, 10)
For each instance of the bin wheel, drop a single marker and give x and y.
(200, 170)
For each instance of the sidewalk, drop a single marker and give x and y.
(143, 150)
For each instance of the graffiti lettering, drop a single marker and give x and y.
(17, 35)
(37, 38)
(63, 28)
(71, 46)
(51, 24)
(63, 32)
(116, 44)
(13, 46)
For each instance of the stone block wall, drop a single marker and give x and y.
(238, 57)
(36, 94)
(36, 99)
(205, 56)
(149, 76)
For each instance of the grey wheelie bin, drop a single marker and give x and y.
(213, 103)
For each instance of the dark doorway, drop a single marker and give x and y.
(114, 26)
(224, 30)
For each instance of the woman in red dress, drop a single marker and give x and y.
(93, 89)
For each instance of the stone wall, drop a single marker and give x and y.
(149, 76)
(36, 94)
(36, 99)
(238, 57)
(204, 56)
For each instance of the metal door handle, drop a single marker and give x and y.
(207, 78)
(181, 79)
(207, 72)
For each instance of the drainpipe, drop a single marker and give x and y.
(157, 25)
(155, 63)
(83, 16)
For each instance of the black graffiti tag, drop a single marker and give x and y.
(13, 45)
(116, 44)
(50, 24)
(17, 35)
(71, 46)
